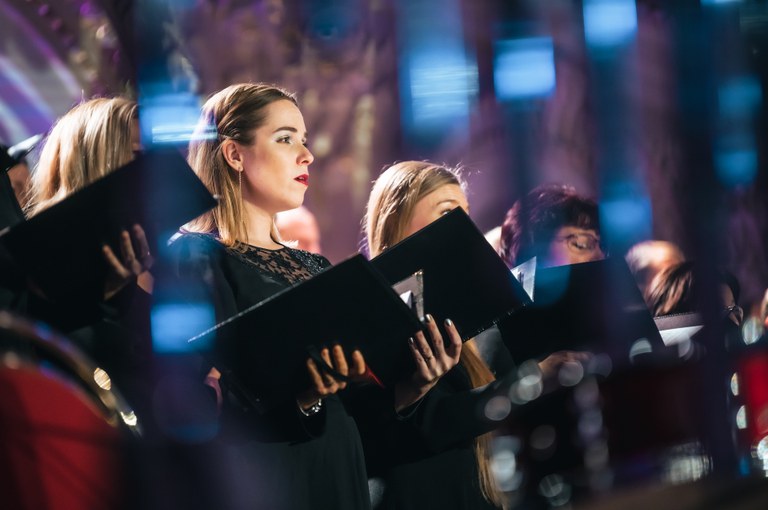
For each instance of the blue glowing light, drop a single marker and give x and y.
(524, 68)
(739, 97)
(609, 22)
(441, 85)
(168, 118)
(438, 77)
(173, 324)
(626, 217)
(736, 167)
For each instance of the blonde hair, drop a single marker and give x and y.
(394, 195)
(233, 113)
(389, 211)
(88, 142)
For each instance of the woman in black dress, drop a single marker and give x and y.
(91, 140)
(439, 457)
(304, 452)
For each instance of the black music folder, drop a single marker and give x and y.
(267, 345)
(464, 278)
(593, 306)
(60, 248)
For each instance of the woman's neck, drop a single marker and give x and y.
(259, 226)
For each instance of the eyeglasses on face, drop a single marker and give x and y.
(736, 311)
(581, 243)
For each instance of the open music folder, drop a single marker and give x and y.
(464, 278)
(266, 346)
(60, 249)
(594, 306)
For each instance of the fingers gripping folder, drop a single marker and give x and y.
(446, 269)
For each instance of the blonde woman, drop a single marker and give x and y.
(91, 140)
(304, 452)
(439, 464)
(440, 455)
(88, 142)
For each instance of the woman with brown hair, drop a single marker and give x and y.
(250, 149)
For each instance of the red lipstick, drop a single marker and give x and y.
(303, 178)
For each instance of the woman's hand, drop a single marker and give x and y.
(323, 383)
(550, 365)
(128, 266)
(432, 362)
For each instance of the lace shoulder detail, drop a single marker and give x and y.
(287, 265)
(315, 263)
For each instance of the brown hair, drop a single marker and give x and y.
(395, 194)
(388, 213)
(233, 113)
(532, 222)
(86, 143)
(672, 290)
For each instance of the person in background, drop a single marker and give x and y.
(300, 225)
(94, 138)
(440, 456)
(112, 328)
(12, 281)
(493, 237)
(18, 174)
(677, 289)
(557, 226)
(450, 467)
(91, 140)
(647, 258)
(554, 224)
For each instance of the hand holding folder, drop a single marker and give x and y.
(330, 374)
(60, 248)
(265, 347)
(594, 306)
(464, 278)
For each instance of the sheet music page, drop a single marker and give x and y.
(411, 291)
(526, 274)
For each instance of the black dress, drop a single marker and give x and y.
(428, 460)
(272, 456)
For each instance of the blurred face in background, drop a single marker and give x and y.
(436, 204)
(574, 245)
(301, 226)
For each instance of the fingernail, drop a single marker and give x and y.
(410, 340)
(427, 318)
(449, 323)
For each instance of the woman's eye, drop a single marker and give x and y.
(284, 139)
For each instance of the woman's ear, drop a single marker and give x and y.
(232, 155)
